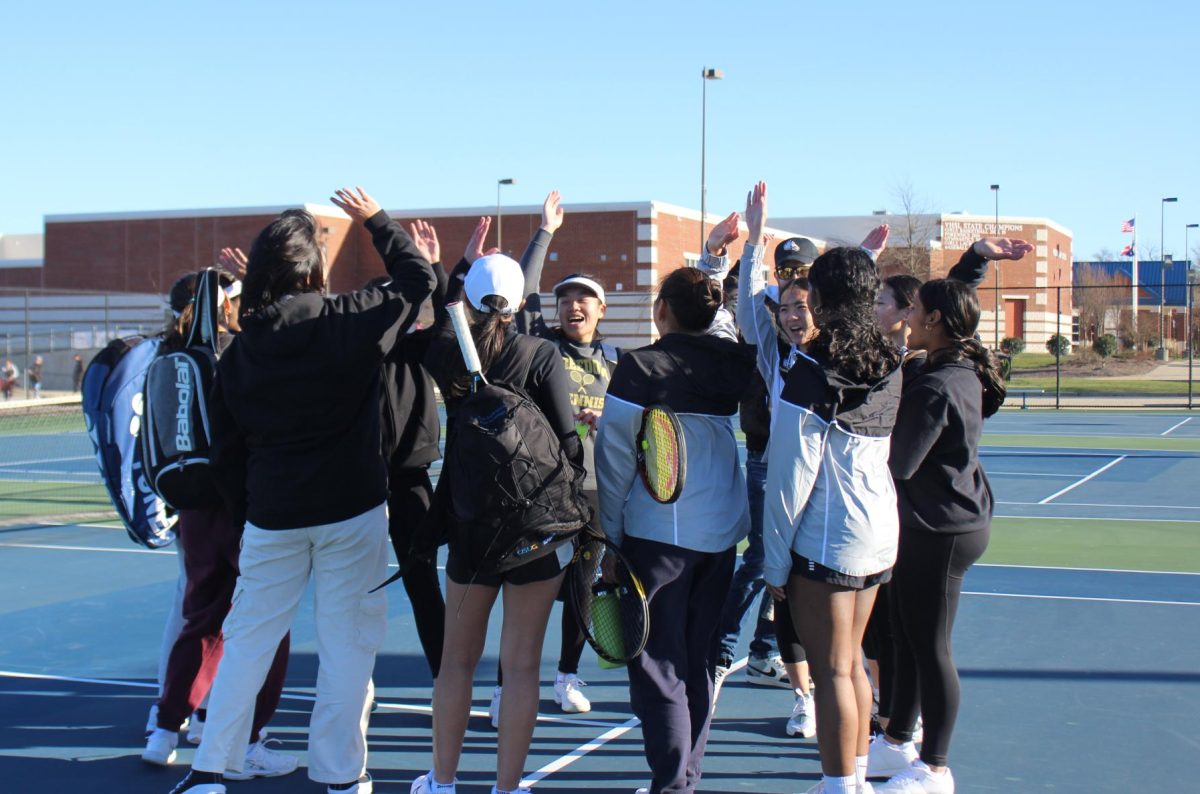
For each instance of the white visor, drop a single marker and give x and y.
(581, 281)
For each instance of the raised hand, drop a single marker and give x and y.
(425, 239)
(723, 234)
(756, 213)
(552, 212)
(233, 260)
(876, 239)
(474, 248)
(359, 207)
(1002, 248)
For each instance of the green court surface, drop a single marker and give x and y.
(1094, 442)
(1115, 544)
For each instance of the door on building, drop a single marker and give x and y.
(1014, 317)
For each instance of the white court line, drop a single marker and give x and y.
(86, 548)
(992, 473)
(1088, 598)
(1176, 427)
(290, 696)
(558, 764)
(46, 460)
(1105, 504)
(1088, 570)
(1075, 485)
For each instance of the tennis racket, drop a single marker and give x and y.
(609, 599)
(661, 454)
(466, 343)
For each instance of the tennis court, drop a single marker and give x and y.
(1077, 643)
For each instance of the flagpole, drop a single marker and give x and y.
(1135, 284)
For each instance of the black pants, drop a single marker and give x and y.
(670, 683)
(790, 649)
(409, 497)
(926, 586)
(879, 646)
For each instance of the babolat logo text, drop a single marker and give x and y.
(183, 391)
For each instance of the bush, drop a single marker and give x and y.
(1058, 345)
(1013, 345)
(1004, 361)
(1105, 345)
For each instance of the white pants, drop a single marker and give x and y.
(346, 559)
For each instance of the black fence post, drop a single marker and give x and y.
(1057, 348)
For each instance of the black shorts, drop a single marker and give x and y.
(817, 572)
(460, 570)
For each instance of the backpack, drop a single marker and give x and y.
(176, 439)
(112, 411)
(514, 494)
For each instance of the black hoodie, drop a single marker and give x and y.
(296, 400)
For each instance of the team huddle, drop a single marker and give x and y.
(580, 472)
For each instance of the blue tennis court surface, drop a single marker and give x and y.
(1074, 680)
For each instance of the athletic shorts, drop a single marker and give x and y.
(817, 572)
(460, 570)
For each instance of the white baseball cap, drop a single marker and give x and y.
(495, 274)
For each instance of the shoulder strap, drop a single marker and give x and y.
(610, 352)
(205, 308)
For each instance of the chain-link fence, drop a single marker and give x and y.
(1097, 344)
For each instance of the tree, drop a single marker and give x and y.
(1058, 345)
(908, 249)
(1098, 297)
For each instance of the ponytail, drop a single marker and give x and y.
(959, 307)
(692, 297)
(488, 330)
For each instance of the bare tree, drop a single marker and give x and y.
(1099, 297)
(908, 249)
(1104, 255)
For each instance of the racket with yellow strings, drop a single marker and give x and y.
(661, 454)
(609, 600)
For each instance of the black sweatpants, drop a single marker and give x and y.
(409, 497)
(670, 683)
(926, 585)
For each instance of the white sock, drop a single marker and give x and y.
(860, 769)
(436, 786)
(840, 785)
(560, 677)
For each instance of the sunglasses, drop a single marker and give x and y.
(791, 272)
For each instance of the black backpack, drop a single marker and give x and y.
(514, 494)
(175, 437)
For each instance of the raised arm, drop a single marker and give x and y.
(530, 319)
(972, 266)
(754, 318)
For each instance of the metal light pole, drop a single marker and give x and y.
(1162, 275)
(499, 213)
(705, 75)
(1189, 301)
(996, 264)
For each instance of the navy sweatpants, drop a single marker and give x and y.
(670, 683)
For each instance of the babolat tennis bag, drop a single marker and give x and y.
(113, 413)
(175, 439)
(514, 494)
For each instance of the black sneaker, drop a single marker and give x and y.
(200, 783)
(361, 786)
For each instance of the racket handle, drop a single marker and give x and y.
(458, 319)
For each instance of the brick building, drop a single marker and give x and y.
(628, 246)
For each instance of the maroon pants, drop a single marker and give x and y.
(210, 543)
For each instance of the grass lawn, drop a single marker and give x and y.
(1075, 385)
(1096, 543)
(1033, 361)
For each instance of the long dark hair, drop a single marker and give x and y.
(844, 282)
(959, 306)
(692, 297)
(181, 299)
(904, 289)
(282, 261)
(488, 329)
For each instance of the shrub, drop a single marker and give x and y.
(1105, 345)
(1004, 361)
(1058, 345)
(1013, 345)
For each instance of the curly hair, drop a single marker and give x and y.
(843, 284)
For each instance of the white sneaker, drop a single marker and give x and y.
(567, 694)
(642, 791)
(494, 709)
(918, 779)
(152, 720)
(195, 729)
(866, 788)
(919, 731)
(160, 747)
(767, 671)
(262, 761)
(720, 672)
(364, 785)
(426, 785)
(514, 791)
(885, 759)
(803, 721)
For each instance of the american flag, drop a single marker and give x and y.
(1127, 251)
(1127, 226)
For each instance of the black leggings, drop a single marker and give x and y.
(878, 646)
(790, 649)
(409, 497)
(925, 588)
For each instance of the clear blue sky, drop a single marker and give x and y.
(1084, 113)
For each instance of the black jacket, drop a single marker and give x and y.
(940, 484)
(296, 400)
(411, 427)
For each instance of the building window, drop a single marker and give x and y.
(691, 260)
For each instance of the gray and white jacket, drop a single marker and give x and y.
(701, 378)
